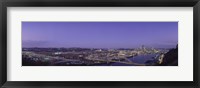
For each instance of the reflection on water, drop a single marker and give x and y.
(141, 59)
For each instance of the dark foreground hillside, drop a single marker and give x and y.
(168, 59)
(171, 58)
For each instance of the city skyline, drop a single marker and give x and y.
(99, 34)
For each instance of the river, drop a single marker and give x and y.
(140, 59)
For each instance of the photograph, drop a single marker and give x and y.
(103, 43)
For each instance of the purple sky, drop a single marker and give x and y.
(100, 34)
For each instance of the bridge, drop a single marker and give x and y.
(123, 62)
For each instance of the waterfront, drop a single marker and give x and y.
(90, 57)
(99, 43)
(140, 59)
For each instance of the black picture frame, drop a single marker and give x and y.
(98, 3)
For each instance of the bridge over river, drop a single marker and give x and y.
(129, 62)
